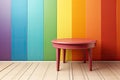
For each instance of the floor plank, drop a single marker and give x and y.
(29, 72)
(71, 71)
(7, 70)
(40, 71)
(106, 72)
(68, 71)
(77, 71)
(92, 75)
(14, 72)
(4, 65)
(115, 69)
(21, 73)
(64, 73)
(51, 73)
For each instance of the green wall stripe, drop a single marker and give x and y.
(35, 29)
(50, 25)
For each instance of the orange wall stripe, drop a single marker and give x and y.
(64, 21)
(78, 24)
(118, 29)
(93, 25)
(108, 30)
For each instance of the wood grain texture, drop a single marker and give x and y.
(5, 65)
(78, 71)
(49, 73)
(40, 72)
(8, 70)
(29, 72)
(21, 73)
(69, 71)
(14, 72)
(106, 72)
(64, 72)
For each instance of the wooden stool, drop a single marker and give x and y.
(74, 43)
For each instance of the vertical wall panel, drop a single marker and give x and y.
(50, 25)
(5, 38)
(64, 21)
(35, 30)
(19, 29)
(118, 29)
(78, 24)
(93, 25)
(108, 30)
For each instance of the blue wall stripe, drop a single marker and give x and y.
(19, 29)
(35, 29)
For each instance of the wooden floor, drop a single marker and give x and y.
(68, 71)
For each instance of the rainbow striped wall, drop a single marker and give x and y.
(28, 26)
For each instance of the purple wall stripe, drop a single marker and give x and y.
(5, 41)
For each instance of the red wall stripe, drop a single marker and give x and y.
(108, 29)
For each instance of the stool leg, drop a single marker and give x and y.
(64, 55)
(90, 58)
(58, 58)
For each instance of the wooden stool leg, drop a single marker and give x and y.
(64, 55)
(90, 58)
(58, 58)
(84, 56)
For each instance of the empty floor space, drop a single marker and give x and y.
(68, 71)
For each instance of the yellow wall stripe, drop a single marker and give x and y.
(64, 21)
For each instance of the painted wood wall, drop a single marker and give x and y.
(28, 26)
